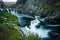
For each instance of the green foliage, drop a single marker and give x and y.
(8, 18)
(57, 6)
(33, 36)
(8, 33)
(20, 7)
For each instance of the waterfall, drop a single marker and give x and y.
(42, 32)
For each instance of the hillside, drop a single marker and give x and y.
(9, 3)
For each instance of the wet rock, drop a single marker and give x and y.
(54, 20)
(50, 20)
(42, 22)
(24, 21)
(38, 26)
(54, 35)
(57, 18)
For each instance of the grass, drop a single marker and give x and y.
(8, 33)
(33, 36)
(7, 17)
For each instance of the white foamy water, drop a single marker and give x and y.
(42, 32)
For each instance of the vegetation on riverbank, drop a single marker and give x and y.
(7, 30)
(7, 24)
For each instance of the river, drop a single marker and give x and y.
(29, 23)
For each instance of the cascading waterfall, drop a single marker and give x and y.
(42, 32)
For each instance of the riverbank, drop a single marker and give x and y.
(9, 28)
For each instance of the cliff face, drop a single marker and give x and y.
(21, 2)
(43, 8)
(40, 7)
(37, 1)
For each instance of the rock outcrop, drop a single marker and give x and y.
(43, 8)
